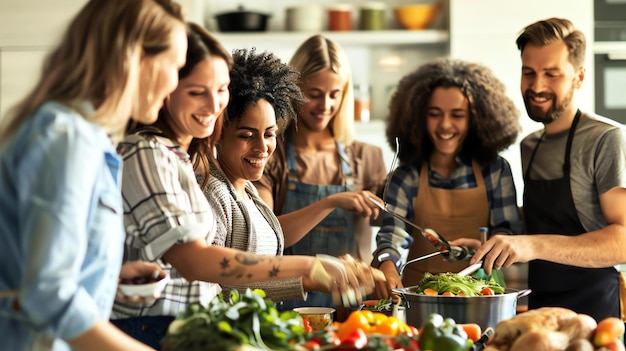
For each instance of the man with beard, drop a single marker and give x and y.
(574, 184)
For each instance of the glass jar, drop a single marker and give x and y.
(340, 17)
(362, 103)
(372, 16)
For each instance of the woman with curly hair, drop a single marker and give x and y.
(319, 174)
(168, 219)
(451, 118)
(262, 92)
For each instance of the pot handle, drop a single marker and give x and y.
(402, 296)
(523, 292)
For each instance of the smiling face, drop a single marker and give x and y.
(158, 76)
(324, 90)
(199, 100)
(447, 120)
(548, 81)
(246, 144)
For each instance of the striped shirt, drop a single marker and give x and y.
(402, 191)
(163, 206)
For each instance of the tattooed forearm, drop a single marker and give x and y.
(239, 268)
(248, 259)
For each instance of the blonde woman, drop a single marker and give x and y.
(320, 178)
(60, 205)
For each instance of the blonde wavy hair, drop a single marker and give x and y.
(316, 54)
(98, 60)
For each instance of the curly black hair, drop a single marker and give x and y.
(494, 118)
(262, 76)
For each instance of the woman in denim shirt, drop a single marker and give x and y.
(60, 202)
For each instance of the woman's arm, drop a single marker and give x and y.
(230, 266)
(104, 336)
(298, 223)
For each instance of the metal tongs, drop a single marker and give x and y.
(452, 253)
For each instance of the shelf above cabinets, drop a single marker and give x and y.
(361, 38)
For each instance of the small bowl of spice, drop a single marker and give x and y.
(320, 318)
(148, 287)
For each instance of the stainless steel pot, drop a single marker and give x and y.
(486, 311)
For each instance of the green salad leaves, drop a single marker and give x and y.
(456, 284)
(243, 319)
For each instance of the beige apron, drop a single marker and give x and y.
(453, 213)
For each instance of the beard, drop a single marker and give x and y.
(554, 112)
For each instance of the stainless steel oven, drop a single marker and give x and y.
(610, 58)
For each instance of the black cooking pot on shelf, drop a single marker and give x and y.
(242, 20)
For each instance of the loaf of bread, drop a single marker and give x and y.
(545, 319)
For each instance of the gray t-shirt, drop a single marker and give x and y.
(598, 163)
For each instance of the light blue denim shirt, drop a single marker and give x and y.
(61, 230)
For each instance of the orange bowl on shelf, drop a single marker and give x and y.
(416, 16)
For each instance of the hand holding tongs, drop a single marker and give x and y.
(453, 253)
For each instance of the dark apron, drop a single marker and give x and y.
(334, 235)
(549, 209)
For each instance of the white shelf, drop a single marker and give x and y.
(382, 37)
(610, 47)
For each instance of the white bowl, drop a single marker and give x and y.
(144, 290)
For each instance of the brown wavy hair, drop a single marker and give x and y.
(201, 45)
(494, 118)
(97, 60)
(553, 30)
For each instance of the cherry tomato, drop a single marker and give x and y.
(307, 325)
(357, 338)
(448, 293)
(312, 345)
(486, 291)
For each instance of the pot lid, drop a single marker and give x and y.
(242, 9)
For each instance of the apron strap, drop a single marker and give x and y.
(9, 294)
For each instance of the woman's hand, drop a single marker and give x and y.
(357, 202)
(139, 269)
(470, 243)
(343, 279)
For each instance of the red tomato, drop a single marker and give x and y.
(487, 291)
(357, 338)
(307, 325)
(312, 345)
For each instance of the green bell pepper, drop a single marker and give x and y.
(439, 334)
